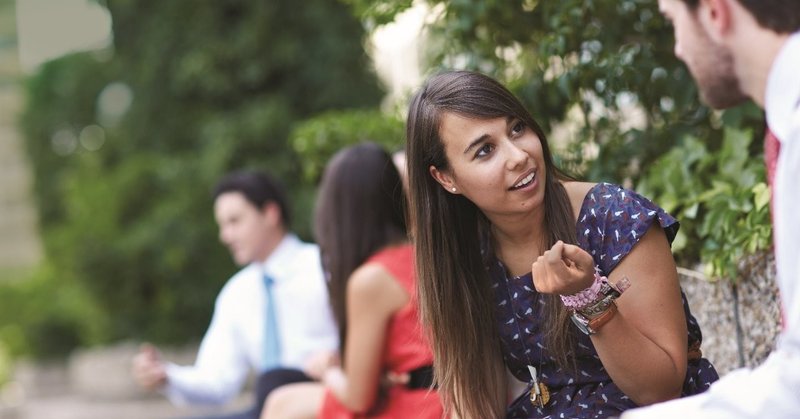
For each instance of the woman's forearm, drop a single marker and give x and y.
(336, 381)
(643, 370)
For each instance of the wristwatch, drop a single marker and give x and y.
(590, 326)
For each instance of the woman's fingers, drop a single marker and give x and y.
(580, 257)
(563, 269)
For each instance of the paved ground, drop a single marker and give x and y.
(73, 407)
(95, 384)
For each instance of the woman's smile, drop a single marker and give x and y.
(527, 180)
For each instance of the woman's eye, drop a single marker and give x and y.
(518, 127)
(484, 150)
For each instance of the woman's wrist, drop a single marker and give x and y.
(586, 297)
(597, 297)
(591, 317)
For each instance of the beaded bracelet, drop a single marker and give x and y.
(587, 296)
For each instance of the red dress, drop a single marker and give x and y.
(406, 349)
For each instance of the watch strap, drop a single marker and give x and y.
(598, 307)
(598, 322)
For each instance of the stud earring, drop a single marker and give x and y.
(453, 189)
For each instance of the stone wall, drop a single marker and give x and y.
(740, 322)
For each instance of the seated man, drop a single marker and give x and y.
(271, 317)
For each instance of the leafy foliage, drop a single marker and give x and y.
(318, 138)
(376, 13)
(604, 73)
(127, 144)
(720, 198)
(49, 317)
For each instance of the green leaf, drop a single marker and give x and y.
(762, 195)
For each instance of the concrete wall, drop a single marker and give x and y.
(19, 241)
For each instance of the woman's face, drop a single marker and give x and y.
(495, 163)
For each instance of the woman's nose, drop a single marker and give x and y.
(516, 156)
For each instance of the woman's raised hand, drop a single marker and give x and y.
(564, 269)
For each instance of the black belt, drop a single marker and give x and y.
(420, 378)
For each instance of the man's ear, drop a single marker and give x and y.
(716, 18)
(272, 212)
(444, 178)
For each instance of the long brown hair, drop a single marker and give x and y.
(456, 300)
(360, 209)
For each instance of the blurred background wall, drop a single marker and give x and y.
(20, 247)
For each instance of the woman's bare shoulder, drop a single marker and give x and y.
(576, 191)
(372, 285)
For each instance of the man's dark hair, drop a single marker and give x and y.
(781, 16)
(258, 188)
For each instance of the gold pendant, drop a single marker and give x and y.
(540, 394)
(540, 397)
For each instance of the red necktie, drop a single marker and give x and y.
(772, 148)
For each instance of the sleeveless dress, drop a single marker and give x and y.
(611, 221)
(406, 349)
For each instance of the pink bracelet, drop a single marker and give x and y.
(587, 296)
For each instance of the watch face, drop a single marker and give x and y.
(581, 322)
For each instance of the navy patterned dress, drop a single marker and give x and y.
(610, 223)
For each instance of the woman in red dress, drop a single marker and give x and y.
(361, 229)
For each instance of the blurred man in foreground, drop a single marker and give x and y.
(738, 49)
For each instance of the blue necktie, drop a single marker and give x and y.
(272, 344)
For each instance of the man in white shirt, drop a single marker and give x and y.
(251, 211)
(737, 49)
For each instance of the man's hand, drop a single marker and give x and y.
(392, 378)
(319, 362)
(148, 370)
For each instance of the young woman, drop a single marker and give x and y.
(511, 252)
(361, 229)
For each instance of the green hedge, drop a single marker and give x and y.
(126, 145)
(318, 138)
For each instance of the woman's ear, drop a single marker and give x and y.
(444, 179)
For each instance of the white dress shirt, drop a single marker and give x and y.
(771, 390)
(233, 344)
(783, 117)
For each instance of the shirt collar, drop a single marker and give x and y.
(277, 262)
(783, 88)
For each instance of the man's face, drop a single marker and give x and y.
(243, 228)
(711, 64)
